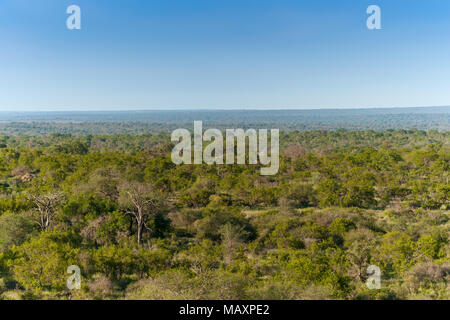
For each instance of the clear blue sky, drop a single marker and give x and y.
(134, 54)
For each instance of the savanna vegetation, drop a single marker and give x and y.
(140, 227)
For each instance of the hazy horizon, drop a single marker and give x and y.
(148, 121)
(216, 109)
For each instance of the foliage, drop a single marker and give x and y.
(140, 227)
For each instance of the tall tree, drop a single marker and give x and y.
(142, 202)
(45, 207)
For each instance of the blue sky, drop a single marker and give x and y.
(177, 54)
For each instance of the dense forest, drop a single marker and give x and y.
(140, 227)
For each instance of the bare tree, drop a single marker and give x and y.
(143, 202)
(45, 207)
(232, 238)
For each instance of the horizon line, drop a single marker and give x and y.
(218, 109)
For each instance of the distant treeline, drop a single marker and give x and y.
(140, 122)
